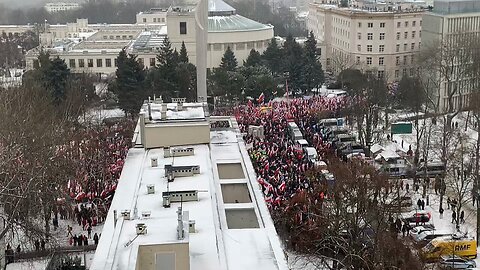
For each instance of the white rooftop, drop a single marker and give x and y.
(213, 245)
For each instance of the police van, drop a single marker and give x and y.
(455, 245)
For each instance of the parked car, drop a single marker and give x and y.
(456, 262)
(421, 229)
(418, 217)
(428, 236)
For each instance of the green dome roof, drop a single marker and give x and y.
(233, 23)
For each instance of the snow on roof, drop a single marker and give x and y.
(376, 148)
(387, 154)
(188, 112)
(213, 245)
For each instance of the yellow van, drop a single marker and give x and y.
(450, 245)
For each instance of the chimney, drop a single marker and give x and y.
(150, 189)
(180, 232)
(163, 115)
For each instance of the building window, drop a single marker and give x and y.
(105, 37)
(397, 48)
(381, 48)
(420, 33)
(398, 24)
(81, 63)
(358, 60)
(218, 47)
(359, 35)
(250, 45)
(406, 24)
(413, 34)
(370, 36)
(154, 19)
(108, 62)
(99, 62)
(405, 60)
(419, 45)
(152, 61)
(382, 36)
(413, 46)
(398, 35)
(241, 46)
(397, 60)
(420, 22)
(397, 74)
(359, 48)
(380, 61)
(381, 74)
(72, 63)
(90, 62)
(183, 28)
(144, 20)
(140, 61)
(259, 45)
(382, 25)
(405, 46)
(412, 58)
(370, 25)
(111, 37)
(405, 35)
(369, 48)
(414, 23)
(359, 25)
(404, 72)
(369, 60)
(163, 20)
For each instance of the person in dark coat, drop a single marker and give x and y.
(441, 212)
(75, 240)
(419, 204)
(85, 240)
(19, 249)
(95, 238)
(37, 245)
(462, 217)
(42, 244)
(454, 216)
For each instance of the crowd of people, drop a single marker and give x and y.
(282, 167)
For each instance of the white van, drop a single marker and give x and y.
(311, 153)
(331, 122)
(303, 143)
(433, 169)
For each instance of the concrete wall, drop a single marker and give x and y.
(176, 135)
(146, 258)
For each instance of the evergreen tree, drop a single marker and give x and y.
(253, 59)
(163, 79)
(129, 83)
(273, 57)
(293, 63)
(187, 81)
(183, 54)
(258, 79)
(166, 57)
(312, 69)
(56, 78)
(229, 61)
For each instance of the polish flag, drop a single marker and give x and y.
(282, 186)
(261, 98)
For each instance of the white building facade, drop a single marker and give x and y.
(61, 6)
(383, 42)
(450, 21)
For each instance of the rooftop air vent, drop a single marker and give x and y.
(150, 189)
(125, 214)
(154, 162)
(141, 228)
(146, 214)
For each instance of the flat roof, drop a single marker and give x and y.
(213, 245)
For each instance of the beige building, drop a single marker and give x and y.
(382, 41)
(61, 6)
(187, 198)
(450, 21)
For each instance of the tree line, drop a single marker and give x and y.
(174, 76)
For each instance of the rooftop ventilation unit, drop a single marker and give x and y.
(179, 102)
(125, 214)
(141, 228)
(158, 100)
(182, 170)
(166, 200)
(191, 226)
(154, 162)
(178, 151)
(181, 196)
(150, 189)
(146, 214)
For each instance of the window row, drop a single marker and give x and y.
(405, 34)
(407, 23)
(381, 36)
(117, 37)
(238, 46)
(381, 48)
(370, 25)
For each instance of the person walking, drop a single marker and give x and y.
(454, 216)
(441, 212)
(462, 217)
(423, 205)
(448, 203)
(419, 204)
(69, 231)
(89, 231)
(42, 244)
(407, 187)
(95, 238)
(404, 229)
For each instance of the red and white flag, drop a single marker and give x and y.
(261, 98)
